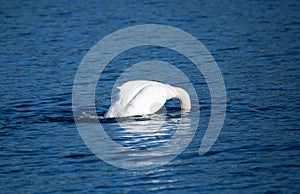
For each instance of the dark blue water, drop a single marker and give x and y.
(256, 45)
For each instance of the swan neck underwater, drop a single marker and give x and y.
(143, 97)
(184, 98)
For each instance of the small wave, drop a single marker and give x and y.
(172, 112)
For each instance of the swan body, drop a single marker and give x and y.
(141, 97)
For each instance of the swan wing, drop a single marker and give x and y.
(124, 95)
(147, 100)
(129, 90)
(139, 97)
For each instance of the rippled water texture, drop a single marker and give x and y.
(256, 45)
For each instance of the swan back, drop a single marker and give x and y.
(142, 97)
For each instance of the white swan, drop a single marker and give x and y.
(143, 97)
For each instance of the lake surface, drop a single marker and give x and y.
(256, 45)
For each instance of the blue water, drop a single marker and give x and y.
(256, 45)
